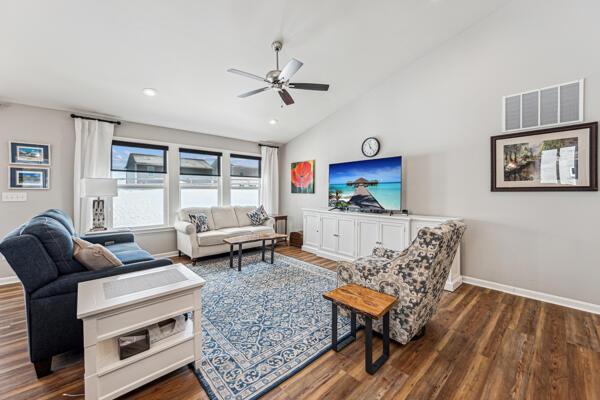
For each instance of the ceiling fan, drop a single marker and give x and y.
(280, 79)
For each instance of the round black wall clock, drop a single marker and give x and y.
(370, 147)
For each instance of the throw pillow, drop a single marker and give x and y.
(94, 257)
(200, 220)
(258, 216)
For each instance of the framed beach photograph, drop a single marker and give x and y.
(303, 176)
(29, 153)
(555, 159)
(28, 178)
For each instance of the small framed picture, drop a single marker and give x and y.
(555, 159)
(28, 178)
(29, 153)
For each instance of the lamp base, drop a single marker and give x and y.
(98, 217)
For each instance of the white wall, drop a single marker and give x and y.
(39, 125)
(440, 112)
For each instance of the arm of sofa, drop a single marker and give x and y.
(184, 227)
(108, 238)
(269, 222)
(68, 283)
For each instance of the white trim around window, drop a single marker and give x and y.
(172, 190)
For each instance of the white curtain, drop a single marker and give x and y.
(93, 141)
(269, 193)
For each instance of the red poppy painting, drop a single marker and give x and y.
(303, 177)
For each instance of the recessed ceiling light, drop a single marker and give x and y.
(149, 92)
(273, 121)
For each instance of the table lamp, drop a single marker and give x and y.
(98, 188)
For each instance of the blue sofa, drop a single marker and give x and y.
(41, 254)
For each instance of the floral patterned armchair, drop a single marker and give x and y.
(416, 276)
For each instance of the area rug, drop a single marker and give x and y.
(262, 325)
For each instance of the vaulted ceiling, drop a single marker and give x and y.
(97, 56)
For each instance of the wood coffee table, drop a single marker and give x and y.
(371, 305)
(240, 240)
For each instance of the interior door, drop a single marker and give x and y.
(311, 230)
(393, 235)
(368, 237)
(346, 237)
(329, 234)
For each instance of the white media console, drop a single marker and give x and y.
(340, 235)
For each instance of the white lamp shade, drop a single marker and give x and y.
(99, 187)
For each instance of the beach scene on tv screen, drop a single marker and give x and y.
(368, 184)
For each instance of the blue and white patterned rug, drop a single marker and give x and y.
(262, 325)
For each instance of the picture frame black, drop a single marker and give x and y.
(26, 153)
(591, 151)
(28, 178)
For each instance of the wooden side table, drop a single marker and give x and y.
(284, 218)
(371, 305)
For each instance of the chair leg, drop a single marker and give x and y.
(419, 335)
(194, 261)
(43, 368)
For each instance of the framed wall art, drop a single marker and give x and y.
(29, 153)
(556, 159)
(303, 176)
(28, 178)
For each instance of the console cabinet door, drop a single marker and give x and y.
(368, 237)
(329, 234)
(346, 237)
(393, 235)
(311, 230)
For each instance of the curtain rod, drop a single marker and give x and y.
(95, 119)
(268, 145)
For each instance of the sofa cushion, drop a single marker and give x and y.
(200, 222)
(241, 212)
(212, 238)
(184, 214)
(94, 256)
(129, 253)
(258, 216)
(57, 240)
(61, 217)
(260, 229)
(237, 231)
(224, 217)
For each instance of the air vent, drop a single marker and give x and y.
(554, 105)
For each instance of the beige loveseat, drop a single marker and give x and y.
(223, 222)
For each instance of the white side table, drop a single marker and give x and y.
(113, 306)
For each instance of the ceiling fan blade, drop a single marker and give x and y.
(246, 74)
(289, 70)
(309, 86)
(253, 92)
(286, 97)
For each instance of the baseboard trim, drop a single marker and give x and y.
(453, 285)
(9, 280)
(532, 294)
(166, 255)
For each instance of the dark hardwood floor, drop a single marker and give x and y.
(481, 344)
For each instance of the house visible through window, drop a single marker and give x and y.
(141, 170)
(199, 178)
(245, 180)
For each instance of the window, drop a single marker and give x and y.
(199, 178)
(141, 172)
(245, 180)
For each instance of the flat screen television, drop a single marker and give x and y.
(367, 185)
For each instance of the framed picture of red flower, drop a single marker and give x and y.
(303, 177)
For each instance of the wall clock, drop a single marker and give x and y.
(370, 147)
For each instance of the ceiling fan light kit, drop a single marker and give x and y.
(279, 80)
